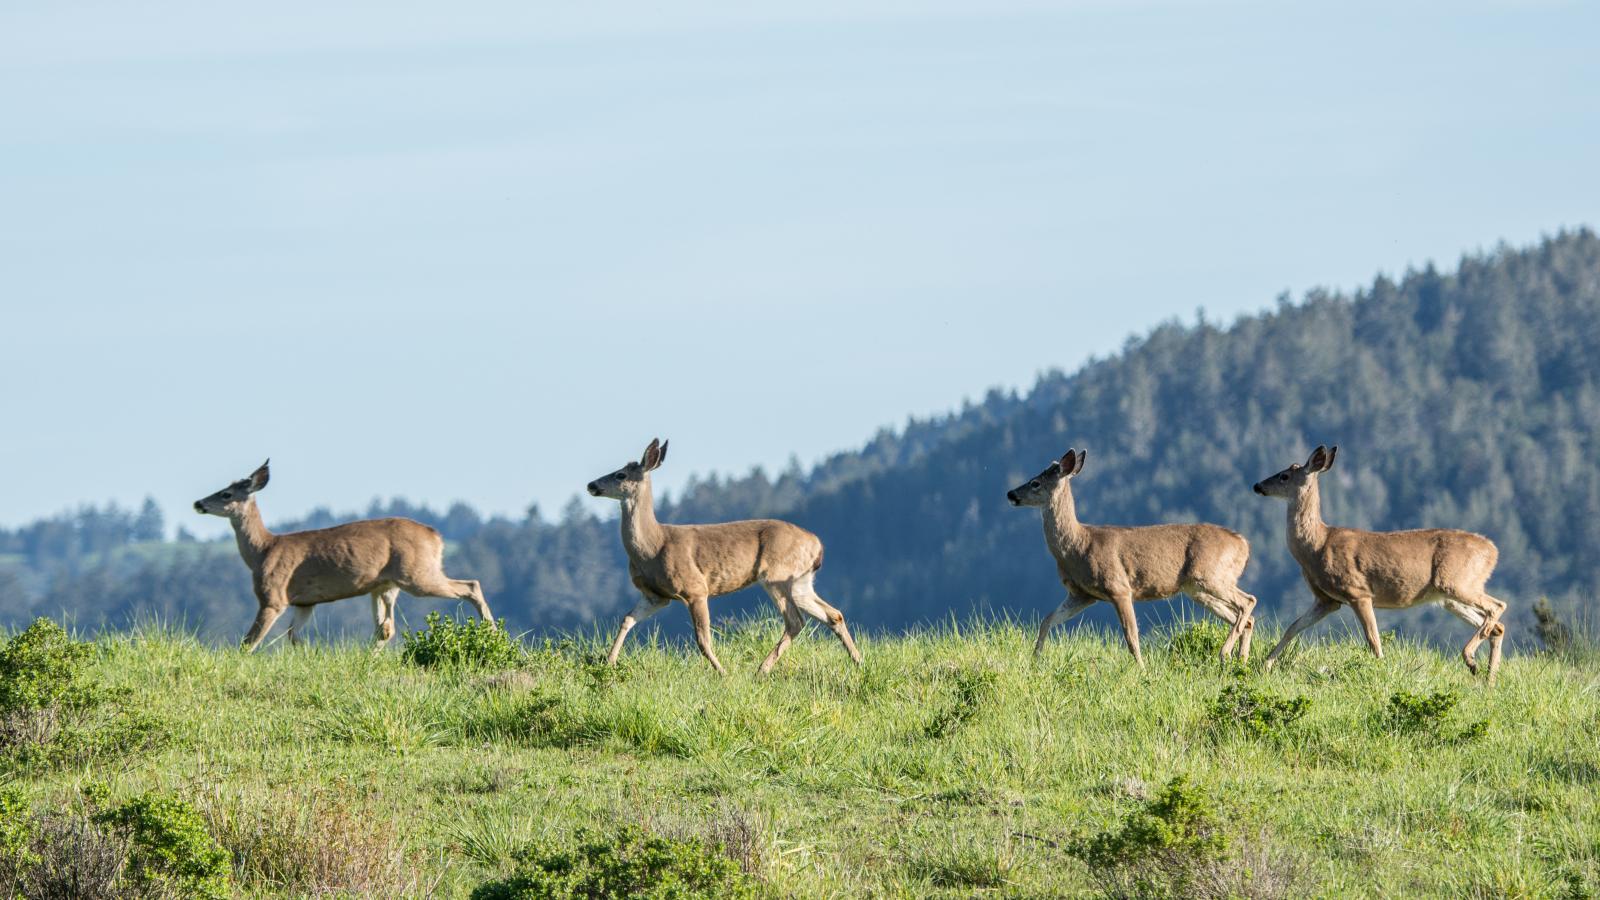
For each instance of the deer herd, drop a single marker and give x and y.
(1364, 570)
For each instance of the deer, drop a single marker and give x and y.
(1122, 565)
(693, 563)
(301, 569)
(1369, 570)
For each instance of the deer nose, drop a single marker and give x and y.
(197, 507)
(1257, 489)
(1012, 496)
(594, 488)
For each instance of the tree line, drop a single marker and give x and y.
(1464, 399)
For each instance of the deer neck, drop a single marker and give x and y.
(1307, 531)
(1062, 529)
(251, 533)
(642, 535)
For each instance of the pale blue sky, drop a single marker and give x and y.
(486, 251)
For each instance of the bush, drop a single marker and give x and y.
(1257, 713)
(170, 850)
(625, 863)
(1431, 717)
(473, 644)
(1197, 645)
(50, 709)
(1176, 847)
(43, 668)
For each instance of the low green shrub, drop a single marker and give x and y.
(1158, 845)
(472, 644)
(52, 710)
(1197, 645)
(16, 834)
(170, 851)
(1431, 717)
(1258, 713)
(627, 862)
(42, 667)
(1176, 846)
(151, 847)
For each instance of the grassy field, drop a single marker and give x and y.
(952, 764)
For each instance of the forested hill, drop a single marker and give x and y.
(1466, 399)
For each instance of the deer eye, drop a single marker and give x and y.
(1283, 478)
(1033, 483)
(227, 495)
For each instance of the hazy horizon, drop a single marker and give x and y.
(484, 254)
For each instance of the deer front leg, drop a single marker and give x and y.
(1130, 625)
(1310, 617)
(700, 615)
(1362, 607)
(267, 615)
(644, 609)
(1069, 607)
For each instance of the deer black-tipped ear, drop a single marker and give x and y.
(1332, 452)
(258, 478)
(663, 457)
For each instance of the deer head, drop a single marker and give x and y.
(626, 481)
(1290, 481)
(1038, 490)
(231, 500)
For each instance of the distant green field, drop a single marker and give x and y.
(951, 764)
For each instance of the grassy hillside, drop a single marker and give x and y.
(951, 764)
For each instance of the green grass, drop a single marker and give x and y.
(952, 764)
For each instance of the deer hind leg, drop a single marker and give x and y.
(644, 609)
(452, 589)
(298, 620)
(1233, 610)
(1062, 614)
(1483, 613)
(1246, 626)
(804, 595)
(383, 616)
(792, 623)
(700, 615)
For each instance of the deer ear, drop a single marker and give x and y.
(258, 478)
(651, 453)
(663, 456)
(1072, 463)
(1318, 459)
(1332, 452)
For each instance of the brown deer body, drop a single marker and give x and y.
(1369, 570)
(693, 563)
(299, 570)
(1123, 565)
